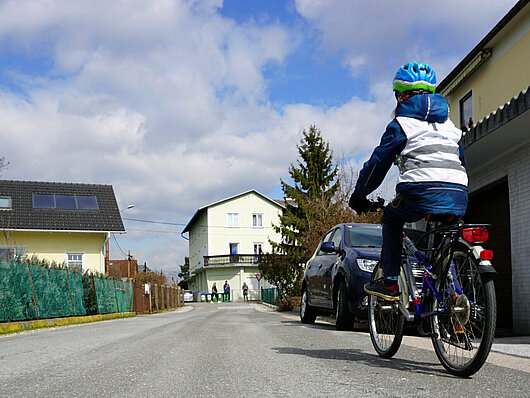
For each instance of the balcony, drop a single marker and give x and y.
(232, 259)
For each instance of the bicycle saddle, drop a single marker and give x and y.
(445, 219)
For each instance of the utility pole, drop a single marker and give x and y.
(129, 265)
(145, 266)
(107, 254)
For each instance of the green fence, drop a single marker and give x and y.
(270, 296)
(113, 295)
(29, 291)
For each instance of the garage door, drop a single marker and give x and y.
(491, 206)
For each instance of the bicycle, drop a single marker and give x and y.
(447, 284)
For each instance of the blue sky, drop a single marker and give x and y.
(178, 104)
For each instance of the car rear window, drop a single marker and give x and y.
(364, 236)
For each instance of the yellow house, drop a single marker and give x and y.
(58, 222)
(226, 239)
(489, 99)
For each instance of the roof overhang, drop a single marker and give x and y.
(64, 230)
(199, 212)
(500, 132)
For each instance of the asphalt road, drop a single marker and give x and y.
(233, 350)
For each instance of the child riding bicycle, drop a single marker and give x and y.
(433, 179)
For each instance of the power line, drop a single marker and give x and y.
(191, 225)
(152, 230)
(116, 240)
(154, 222)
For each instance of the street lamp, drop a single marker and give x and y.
(127, 208)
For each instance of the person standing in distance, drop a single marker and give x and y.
(245, 291)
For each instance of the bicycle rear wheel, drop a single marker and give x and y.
(386, 322)
(463, 334)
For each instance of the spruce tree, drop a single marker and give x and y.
(315, 183)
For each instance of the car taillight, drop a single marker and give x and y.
(478, 234)
(486, 254)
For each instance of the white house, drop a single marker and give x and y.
(225, 240)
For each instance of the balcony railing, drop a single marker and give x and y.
(232, 259)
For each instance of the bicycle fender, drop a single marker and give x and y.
(484, 266)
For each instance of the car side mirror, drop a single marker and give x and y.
(328, 247)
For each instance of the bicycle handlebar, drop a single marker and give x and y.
(377, 204)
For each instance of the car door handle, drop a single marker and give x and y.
(320, 266)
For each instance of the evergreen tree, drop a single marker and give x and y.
(308, 199)
(185, 268)
(315, 183)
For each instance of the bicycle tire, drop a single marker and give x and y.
(386, 322)
(463, 336)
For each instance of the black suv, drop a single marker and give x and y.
(335, 276)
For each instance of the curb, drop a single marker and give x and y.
(272, 306)
(13, 327)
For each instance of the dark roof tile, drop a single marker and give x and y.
(24, 216)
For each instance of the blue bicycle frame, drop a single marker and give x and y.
(427, 283)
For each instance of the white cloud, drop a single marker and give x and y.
(375, 36)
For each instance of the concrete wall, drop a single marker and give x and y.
(515, 166)
(53, 246)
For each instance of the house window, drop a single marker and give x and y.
(232, 219)
(257, 220)
(12, 253)
(466, 112)
(5, 203)
(65, 202)
(258, 248)
(74, 260)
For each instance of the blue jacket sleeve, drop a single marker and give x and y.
(462, 157)
(374, 170)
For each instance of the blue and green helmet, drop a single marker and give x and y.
(415, 76)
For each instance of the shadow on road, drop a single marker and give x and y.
(354, 355)
(316, 325)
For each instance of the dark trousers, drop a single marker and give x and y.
(395, 215)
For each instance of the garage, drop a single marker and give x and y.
(490, 205)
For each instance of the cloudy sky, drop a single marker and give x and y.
(180, 103)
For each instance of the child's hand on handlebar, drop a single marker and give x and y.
(362, 205)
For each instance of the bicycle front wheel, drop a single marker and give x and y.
(463, 334)
(386, 322)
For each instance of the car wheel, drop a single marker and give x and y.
(343, 317)
(307, 313)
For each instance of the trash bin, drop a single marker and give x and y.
(203, 297)
(208, 297)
